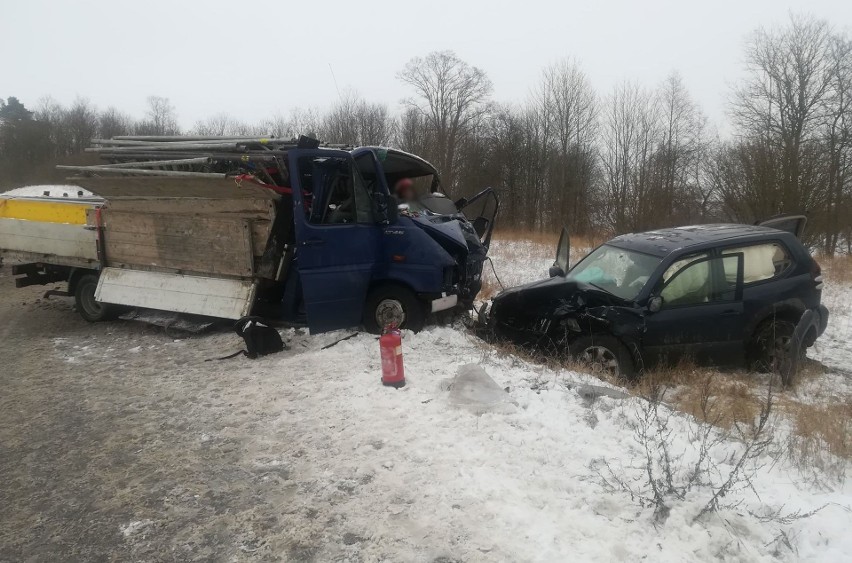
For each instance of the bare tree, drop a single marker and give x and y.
(357, 122)
(680, 156)
(82, 123)
(567, 107)
(631, 130)
(782, 102)
(160, 119)
(224, 124)
(112, 122)
(452, 96)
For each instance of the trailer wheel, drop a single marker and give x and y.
(88, 307)
(393, 304)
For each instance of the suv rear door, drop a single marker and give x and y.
(701, 316)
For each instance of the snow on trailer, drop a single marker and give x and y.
(212, 225)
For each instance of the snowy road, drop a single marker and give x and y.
(120, 442)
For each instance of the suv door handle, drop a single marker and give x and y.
(313, 242)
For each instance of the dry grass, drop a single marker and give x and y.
(717, 397)
(822, 435)
(837, 269)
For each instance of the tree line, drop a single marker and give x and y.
(633, 158)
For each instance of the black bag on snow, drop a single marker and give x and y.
(261, 339)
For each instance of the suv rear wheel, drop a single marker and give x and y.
(770, 347)
(603, 355)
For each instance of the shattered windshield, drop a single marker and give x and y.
(618, 271)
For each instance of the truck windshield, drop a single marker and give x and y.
(615, 270)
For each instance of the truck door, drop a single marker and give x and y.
(699, 315)
(337, 238)
(481, 210)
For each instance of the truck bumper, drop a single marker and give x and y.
(444, 302)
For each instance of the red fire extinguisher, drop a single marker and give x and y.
(390, 343)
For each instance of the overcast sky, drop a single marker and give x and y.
(255, 59)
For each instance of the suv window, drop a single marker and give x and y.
(691, 281)
(761, 262)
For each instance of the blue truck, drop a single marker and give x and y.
(226, 227)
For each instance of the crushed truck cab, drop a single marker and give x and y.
(305, 233)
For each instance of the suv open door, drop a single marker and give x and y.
(563, 252)
(794, 224)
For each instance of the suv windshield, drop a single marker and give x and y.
(615, 270)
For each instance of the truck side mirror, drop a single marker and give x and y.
(655, 304)
(386, 208)
(392, 209)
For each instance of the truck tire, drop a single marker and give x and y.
(604, 355)
(393, 304)
(84, 298)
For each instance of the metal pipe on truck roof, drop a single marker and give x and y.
(122, 143)
(142, 172)
(167, 138)
(168, 147)
(155, 163)
(265, 156)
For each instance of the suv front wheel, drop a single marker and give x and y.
(603, 355)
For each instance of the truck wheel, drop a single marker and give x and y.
(84, 297)
(604, 355)
(393, 304)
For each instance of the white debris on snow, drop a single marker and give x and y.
(474, 390)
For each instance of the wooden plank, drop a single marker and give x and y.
(214, 245)
(200, 295)
(155, 186)
(251, 208)
(56, 239)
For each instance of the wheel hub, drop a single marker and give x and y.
(600, 360)
(390, 311)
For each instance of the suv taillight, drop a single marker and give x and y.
(816, 273)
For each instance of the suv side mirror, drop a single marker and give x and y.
(655, 304)
(556, 270)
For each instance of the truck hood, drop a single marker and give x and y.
(446, 230)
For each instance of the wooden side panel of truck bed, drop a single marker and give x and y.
(185, 243)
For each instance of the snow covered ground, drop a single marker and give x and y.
(304, 455)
